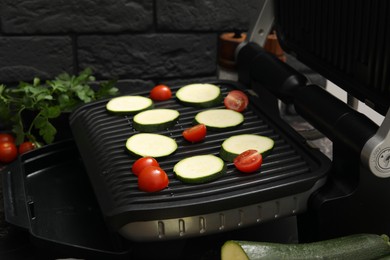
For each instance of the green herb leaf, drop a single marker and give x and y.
(48, 100)
(36, 82)
(4, 108)
(84, 93)
(46, 129)
(107, 88)
(51, 112)
(2, 92)
(18, 128)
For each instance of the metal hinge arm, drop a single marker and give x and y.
(376, 152)
(261, 27)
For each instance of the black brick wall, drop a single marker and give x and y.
(137, 41)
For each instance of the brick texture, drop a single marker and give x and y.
(206, 15)
(82, 16)
(131, 86)
(138, 40)
(147, 56)
(24, 57)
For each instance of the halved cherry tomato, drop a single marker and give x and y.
(236, 100)
(4, 137)
(25, 147)
(195, 134)
(8, 152)
(248, 161)
(142, 163)
(152, 179)
(160, 93)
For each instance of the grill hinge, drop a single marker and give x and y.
(376, 152)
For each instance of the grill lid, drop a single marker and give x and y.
(291, 168)
(346, 42)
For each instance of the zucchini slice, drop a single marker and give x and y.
(356, 247)
(201, 95)
(219, 119)
(129, 104)
(148, 144)
(155, 120)
(200, 168)
(237, 144)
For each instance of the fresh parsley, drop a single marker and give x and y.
(47, 101)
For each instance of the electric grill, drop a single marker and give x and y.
(330, 198)
(287, 177)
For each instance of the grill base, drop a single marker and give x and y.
(292, 169)
(218, 222)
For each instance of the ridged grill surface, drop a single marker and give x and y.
(101, 139)
(347, 41)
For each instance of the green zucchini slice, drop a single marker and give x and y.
(155, 120)
(356, 247)
(129, 104)
(237, 144)
(148, 144)
(201, 95)
(200, 169)
(219, 119)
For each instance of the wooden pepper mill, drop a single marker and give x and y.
(228, 43)
(272, 45)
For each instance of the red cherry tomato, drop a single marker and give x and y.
(195, 134)
(8, 152)
(152, 179)
(236, 100)
(6, 138)
(142, 163)
(248, 161)
(160, 93)
(25, 147)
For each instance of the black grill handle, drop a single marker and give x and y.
(334, 118)
(255, 63)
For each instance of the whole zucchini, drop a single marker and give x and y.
(355, 247)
